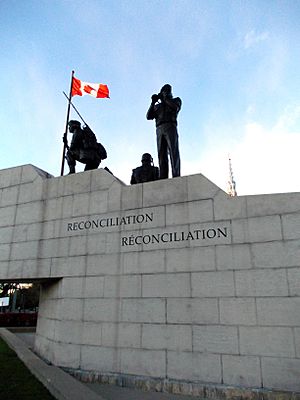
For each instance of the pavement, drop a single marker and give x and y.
(65, 387)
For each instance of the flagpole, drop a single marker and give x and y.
(66, 128)
(78, 113)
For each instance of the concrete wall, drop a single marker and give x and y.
(190, 285)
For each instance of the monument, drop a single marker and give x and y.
(170, 284)
(164, 109)
(147, 172)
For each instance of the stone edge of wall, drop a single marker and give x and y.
(203, 390)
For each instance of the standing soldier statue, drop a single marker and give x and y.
(84, 148)
(164, 109)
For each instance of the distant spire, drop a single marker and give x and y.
(231, 182)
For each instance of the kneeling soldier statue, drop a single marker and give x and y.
(84, 148)
(146, 173)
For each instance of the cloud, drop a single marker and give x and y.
(264, 160)
(252, 38)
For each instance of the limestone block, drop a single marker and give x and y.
(67, 207)
(122, 286)
(114, 197)
(29, 192)
(77, 183)
(259, 229)
(165, 191)
(297, 341)
(277, 203)
(92, 334)
(29, 212)
(66, 355)
(9, 196)
(199, 187)
(78, 245)
(132, 197)
(226, 207)
(4, 269)
(143, 310)
(281, 373)
(53, 247)
(166, 285)
(80, 204)
(189, 212)
(103, 264)
(276, 254)
(241, 370)
(97, 202)
(24, 250)
(50, 309)
(67, 266)
(36, 269)
(93, 286)
(278, 311)
(237, 311)
(194, 366)
(7, 215)
(267, 282)
(31, 172)
(215, 339)
(96, 244)
(6, 234)
(68, 332)
(72, 287)
(95, 358)
(113, 243)
(102, 310)
(143, 362)
(43, 346)
(71, 309)
(51, 188)
(4, 252)
(10, 177)
(143, 262)
(14, 269)
(213, 284)
(101, 179)
(46, 327)
(294, 281)
(121, 335)
(48, 230)
(169, 337)
(267, 341)
(191, 259)
(291, 226)
(235, 256)
(53, 208)
(20, 232)
(192, 311)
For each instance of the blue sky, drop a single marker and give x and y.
(234, 64)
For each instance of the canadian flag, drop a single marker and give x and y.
(81, 88)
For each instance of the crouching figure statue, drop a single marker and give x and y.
(84, 148)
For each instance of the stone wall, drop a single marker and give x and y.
(171, 279)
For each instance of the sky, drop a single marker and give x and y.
(234, 64)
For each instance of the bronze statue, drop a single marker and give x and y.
(84, 148)
(164, 109)
(146, 173)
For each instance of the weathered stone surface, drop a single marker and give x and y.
(170, 285)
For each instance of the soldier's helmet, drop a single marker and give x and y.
(147, 157)
(74, 123)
